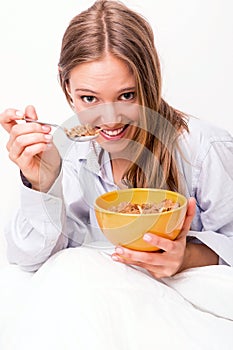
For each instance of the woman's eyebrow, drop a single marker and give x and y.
(128, 88)
(86, 90)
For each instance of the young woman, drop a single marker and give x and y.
(110, 73)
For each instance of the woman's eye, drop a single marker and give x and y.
(127, 96)
(88, 99)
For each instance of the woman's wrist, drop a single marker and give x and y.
(45, 182)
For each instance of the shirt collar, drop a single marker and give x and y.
(95, 159)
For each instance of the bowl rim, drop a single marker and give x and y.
(97, 207)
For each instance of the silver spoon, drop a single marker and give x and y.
(75, 138)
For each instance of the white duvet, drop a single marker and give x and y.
(81, 299)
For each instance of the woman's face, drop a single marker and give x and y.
(104, 95)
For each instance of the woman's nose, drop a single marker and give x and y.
(110, 113)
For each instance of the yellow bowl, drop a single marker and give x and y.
(128, 229)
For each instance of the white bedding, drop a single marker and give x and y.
(81, 299)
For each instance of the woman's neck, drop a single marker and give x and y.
(119, 167)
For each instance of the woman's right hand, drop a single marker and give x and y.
(30, 146)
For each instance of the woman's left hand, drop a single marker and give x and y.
(160, 264)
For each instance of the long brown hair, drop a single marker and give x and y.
(111, 27)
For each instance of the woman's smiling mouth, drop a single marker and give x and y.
(114, 134)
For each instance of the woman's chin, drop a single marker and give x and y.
(114, 146)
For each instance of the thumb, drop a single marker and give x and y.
(30, 112)
(191, 209)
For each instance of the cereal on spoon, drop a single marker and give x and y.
(82, 130)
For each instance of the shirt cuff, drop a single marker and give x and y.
(55, 190)
(25, 180)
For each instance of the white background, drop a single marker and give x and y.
(193, 38)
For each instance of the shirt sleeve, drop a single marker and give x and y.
(40, 228)
(31, 235)
(214, 195)
(49, 222)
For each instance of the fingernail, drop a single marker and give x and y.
(119, 251)
(19, 114)
(46, 128)
(48, 137)
(147, 238)
(115, 258)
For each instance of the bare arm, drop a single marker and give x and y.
(198, 255)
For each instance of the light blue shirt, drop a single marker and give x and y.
(64, 217)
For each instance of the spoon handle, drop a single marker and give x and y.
(40, 122)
